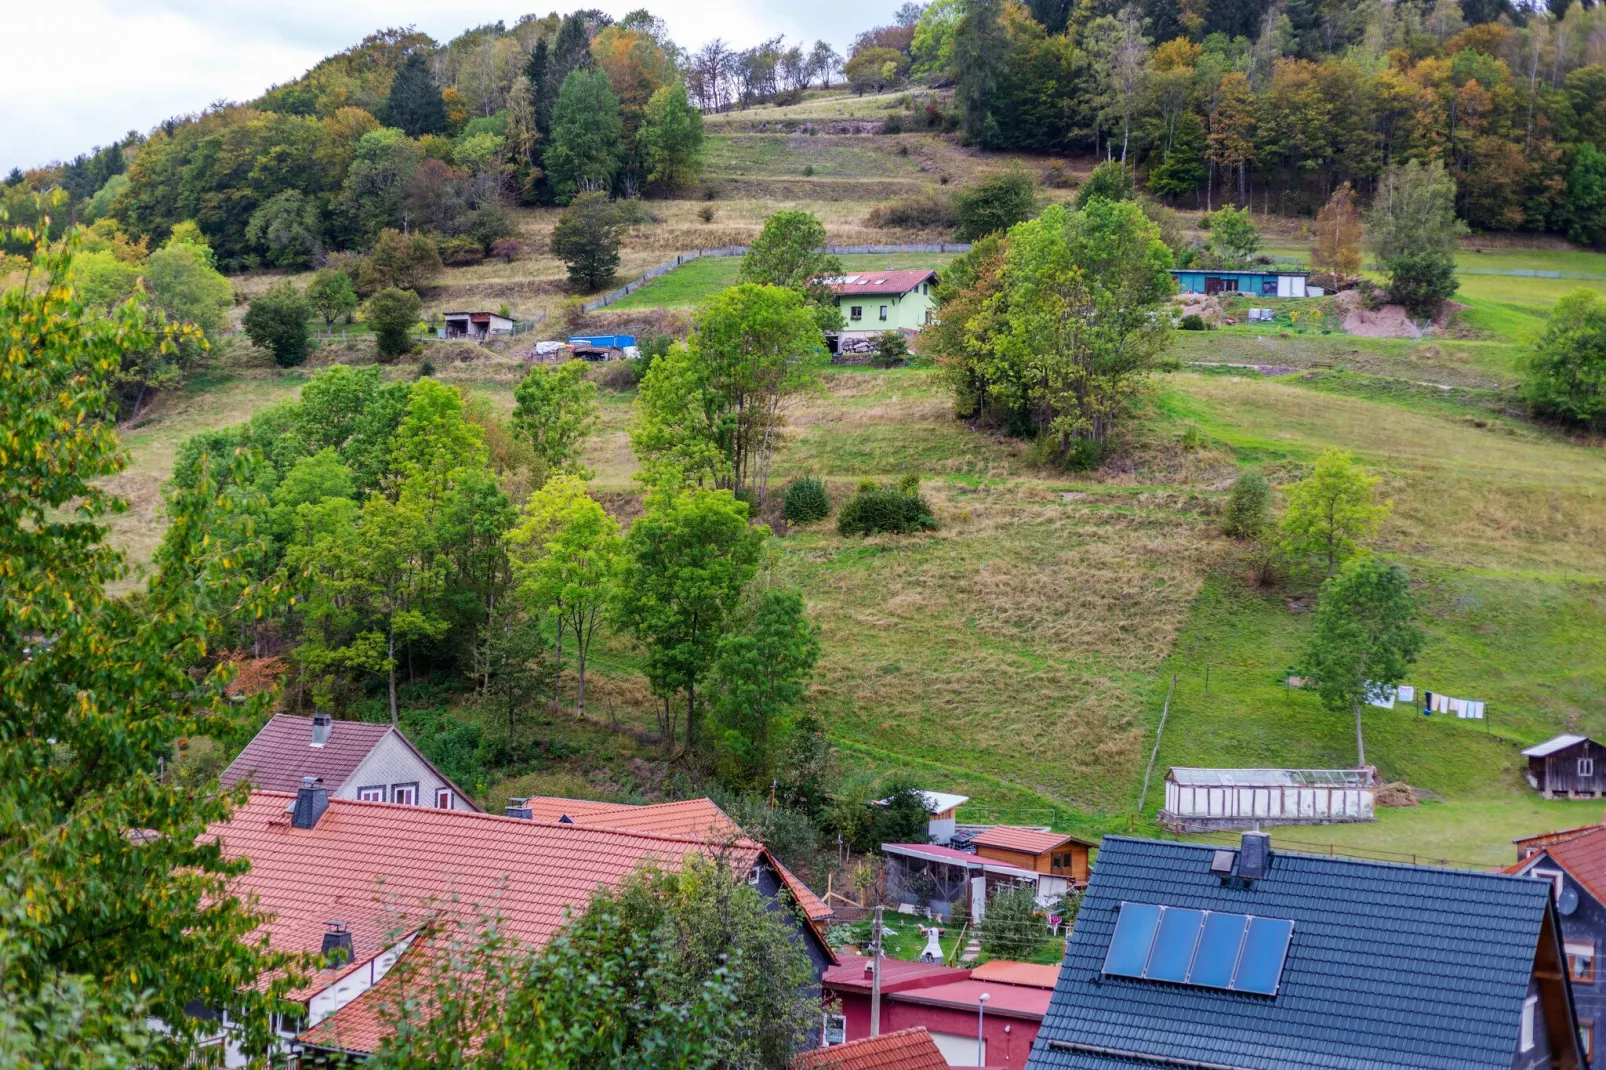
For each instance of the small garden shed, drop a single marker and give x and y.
(1253, 283)
(1567, 767)
(1203, 799)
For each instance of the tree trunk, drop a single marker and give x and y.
(580, 654)
(394, 720)
(691, 716)
(1360, 743)
(557, 673)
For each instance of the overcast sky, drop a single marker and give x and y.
(80, 73)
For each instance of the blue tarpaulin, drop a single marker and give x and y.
(603, 341)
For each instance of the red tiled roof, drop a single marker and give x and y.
(1030, 841)
(907, 1049)
(870, 283)
(1006, 971)
(1583, 856)
(1543, 838)
(282, 753)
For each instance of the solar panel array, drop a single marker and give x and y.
(1207, 948)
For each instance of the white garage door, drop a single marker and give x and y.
(960, 1051)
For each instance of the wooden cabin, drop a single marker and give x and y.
(1053, 853)
(1567, 767)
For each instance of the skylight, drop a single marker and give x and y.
(1236, 952)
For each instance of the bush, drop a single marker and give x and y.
(391, 314)
(883, 509)
(1421, 282)
(1110, 180)
(891, 350)
(277, 322)
(920, 211)
(461, 250)
(1058, 175)
(995, 205)
(806, 501)
(1084, 455)
(1010, 928)
(506, 249)
(706, 213)
(1193, 322)
(1248, 507)
(425, 369)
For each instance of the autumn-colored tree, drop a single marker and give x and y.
(1231, 143)
(1337, 244)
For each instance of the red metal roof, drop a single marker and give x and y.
(1019, 1001)
(907, 1049)
(897, 975)
(871, 283)
(1030, 841)
(1007, 971)
(282, 753)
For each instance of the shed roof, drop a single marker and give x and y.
(1009, 972)
(1389, 966)
(1267, 778)
(870, 283)
(933, 853)
(1551, 746)
(907, 1049)
(1030, 841)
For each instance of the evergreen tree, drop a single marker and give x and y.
(981, 50)
(1585, 211)
(538, 71)
(415, 103)
(587, 239)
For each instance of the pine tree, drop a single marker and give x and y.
(415, 103)
(538, 71)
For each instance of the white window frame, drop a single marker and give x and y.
(444, 799)
(1580, 949)
(372, 793)
(405, 794)
(827, 1021)
(1586, 767)
(1529, 1005)
(1554, 876)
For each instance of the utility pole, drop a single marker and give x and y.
(875, 975)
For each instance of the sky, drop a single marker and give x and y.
(81, 73)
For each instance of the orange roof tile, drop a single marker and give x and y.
(1583, 856)
(1006, 971)
(907, 1049)
(1031, 841)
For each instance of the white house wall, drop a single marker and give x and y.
(354, 984)
(393, 762)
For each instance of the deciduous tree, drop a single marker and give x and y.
(790, 252)
(392, 314)
(332, 296)
(556, 411)
(586, 238)
(1331, 511)
(583, 155)
(1566, 372)
(760, 675)
(277, 322)
(1337, 245)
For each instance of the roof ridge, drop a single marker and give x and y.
(1493, 874)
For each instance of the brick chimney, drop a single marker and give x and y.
(311, 801)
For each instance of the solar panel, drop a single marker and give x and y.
(1236, 952)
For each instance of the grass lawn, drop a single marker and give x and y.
(692, 283)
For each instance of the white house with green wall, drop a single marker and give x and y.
(875, 301)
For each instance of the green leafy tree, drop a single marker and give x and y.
(687, 561)
(1331, 511)
(586, 238)
(806, 501)
(871, 70)
(981, 54)
(1233, 235)
(1586, 196)
(759, 678)
(115, 909)
(790, 252)
(392, 314)
(586, 136)
(1365, 638)
(374, 194)
(672, 138)
(566, 558)
(187, 288)
(1248, 507)
(556, 411)
(1112, 180)
(277, 322)
(405, 261)
(415, 103)
(680, 432)
(932, 48)
(1011, 927)
(1566, 372)
(995, 204)
(332, 296)
(287, 230)
(1182, 168)
(1415, 234)
(900, 816)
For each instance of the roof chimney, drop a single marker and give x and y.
(1254, 855)
(516, 808)
(337, 947)
(311, 801)
(322, 726)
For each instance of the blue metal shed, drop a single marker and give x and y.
(1254, 283)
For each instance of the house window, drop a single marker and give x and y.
(1062, 861)
(883, 313)
(1581, 961)
(1268, 287)
(373, 793)
(1551, 875)
(1527, 1041)
(856, 312)
(925, 288)
(443, 798)
(834, 1030)
(1586, 767)
(755, 874)
(1586, 1037)
(406, 794)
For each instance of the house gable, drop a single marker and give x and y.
(395, 765)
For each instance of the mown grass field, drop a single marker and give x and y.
(692, 283)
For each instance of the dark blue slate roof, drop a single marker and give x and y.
(1390, 966)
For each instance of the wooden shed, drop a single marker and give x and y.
(1567, 767)
(1199, 800)
(1037, 850)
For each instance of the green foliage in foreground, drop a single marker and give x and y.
(674, 970)
(114, 907)
(1567, 370)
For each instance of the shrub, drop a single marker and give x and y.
(893, 124)
(277, 322)
(1010, 928)
(920, 211)
(461, 250)
(1193, 322)
(1111, 180)
(391, 313)
(1057, 175)
(891, 350)
(808, 170)
(634, 212)
(1421, 281)
(806, 501)
(506, 249)
(884, 509)
(1084, 455)
(995, 205)
(706, 213)
(425, 369)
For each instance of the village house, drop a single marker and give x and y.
(875, 301)
(369, 879)
(476, 326)
(353, 759)
(1054, 853)
(1566, 768)
(1254, 283)
(907, 1049)
(1194, 955)
(945, 1000)
(1573, 863)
